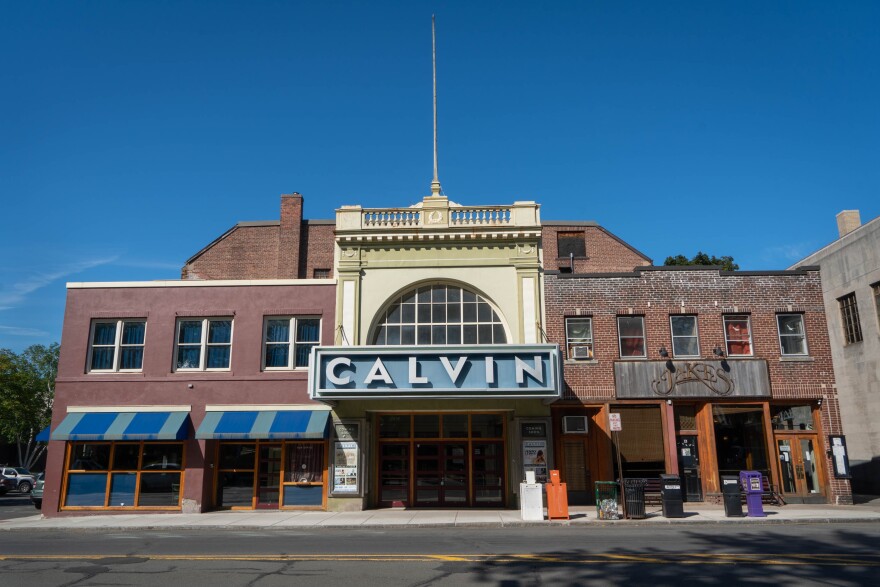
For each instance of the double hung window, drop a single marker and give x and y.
(685, 338)
(288, 341)
(579, 338)
(792, 336)
(117, 345)
(849, 316)
(631, 336)
(204, 344)
(738, 336)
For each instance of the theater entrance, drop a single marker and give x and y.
(441, 460)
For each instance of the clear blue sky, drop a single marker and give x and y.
(134, 133)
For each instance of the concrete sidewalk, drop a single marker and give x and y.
(584, 516)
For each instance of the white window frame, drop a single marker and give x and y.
(117, 345)
(695, 335)
(573, 342)
(203, 343)
(291, 344)
(727, 341)
(620, 338)
(779, 335)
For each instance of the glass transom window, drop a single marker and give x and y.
(438, 315)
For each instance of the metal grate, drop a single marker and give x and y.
(849, 315)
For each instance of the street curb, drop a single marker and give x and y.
(514, 524)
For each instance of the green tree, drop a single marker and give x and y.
(27, 391)
(701, 258)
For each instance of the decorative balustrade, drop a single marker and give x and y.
(391, 217)
(481, 216)
(438, 213)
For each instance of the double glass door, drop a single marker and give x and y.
(800, 472)
(441, 474)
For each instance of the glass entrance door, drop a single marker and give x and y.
(799, 468)
(689, 466)
(441, 474)
(268, 476)
(394, 474)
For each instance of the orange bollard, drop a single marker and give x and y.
(557, 498)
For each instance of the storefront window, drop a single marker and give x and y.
(739, 439)
(791, 417)
(394, 426)
(142, 474)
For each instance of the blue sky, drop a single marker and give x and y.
(134, 133)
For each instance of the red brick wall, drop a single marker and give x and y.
(291, 249)
(247, 252)
(657, 293)
(605, 253)
(318, 242)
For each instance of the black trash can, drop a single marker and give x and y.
(670, 491)
(732, 500)
(634, 490)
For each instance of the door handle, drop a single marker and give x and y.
(800, 471)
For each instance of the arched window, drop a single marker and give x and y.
(439, 314)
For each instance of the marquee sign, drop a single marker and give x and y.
(472, 371)
(703, 379)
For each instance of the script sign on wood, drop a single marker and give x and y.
(704, 379)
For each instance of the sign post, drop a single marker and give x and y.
(616, 426)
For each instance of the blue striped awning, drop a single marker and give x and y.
(123, 426)
(43, 435)
(300, 424)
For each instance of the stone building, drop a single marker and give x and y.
(851, 289)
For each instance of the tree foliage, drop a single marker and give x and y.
(701, 258)
(27, 391)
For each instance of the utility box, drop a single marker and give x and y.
(531, 502)
(730, 489)
(557, 498)
(753, 485)
(670, 491)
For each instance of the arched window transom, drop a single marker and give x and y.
(440, 314)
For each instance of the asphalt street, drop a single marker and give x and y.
(789, 554)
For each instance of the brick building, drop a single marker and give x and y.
(712, 371)
(411, 357)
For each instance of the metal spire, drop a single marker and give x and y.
(435, 185)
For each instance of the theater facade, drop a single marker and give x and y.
(429, 356)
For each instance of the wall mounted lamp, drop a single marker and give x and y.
(663, 352)
(718, 351)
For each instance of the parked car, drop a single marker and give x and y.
(20, 478)
(37, 492)
(5, 485)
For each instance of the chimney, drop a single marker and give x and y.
(289, 235)
(848, 221)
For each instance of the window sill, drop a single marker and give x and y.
(633, 359)
(803, 359)
(581, 361)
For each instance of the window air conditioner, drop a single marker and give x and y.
(581, 352)
(574, 424)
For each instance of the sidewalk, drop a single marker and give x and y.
(581, 516)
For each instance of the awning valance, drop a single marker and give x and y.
(123, 426)
(252, 425)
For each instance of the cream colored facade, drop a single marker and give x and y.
(492, 250)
